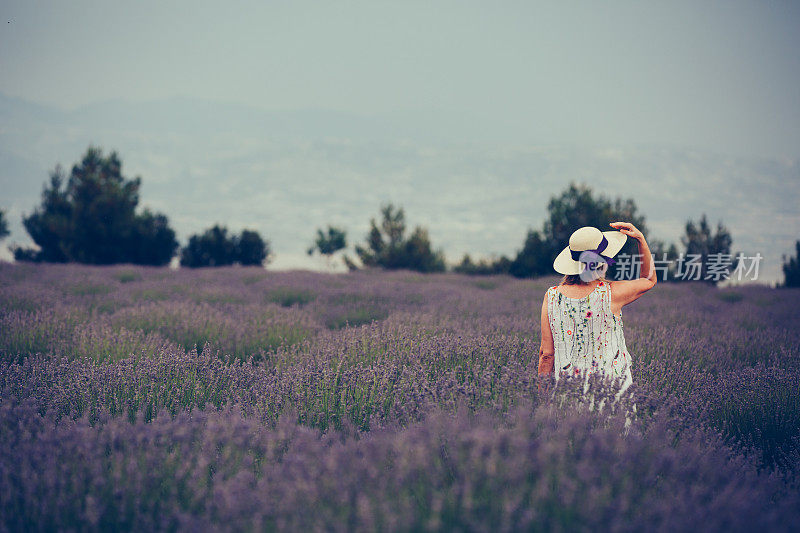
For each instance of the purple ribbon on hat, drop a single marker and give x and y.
(603, 245)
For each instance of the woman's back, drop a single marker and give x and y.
(587, 335)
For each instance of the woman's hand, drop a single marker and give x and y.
(647, 268)
(628, 229)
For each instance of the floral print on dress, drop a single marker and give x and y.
(588, 337)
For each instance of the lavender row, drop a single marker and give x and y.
(85, 311)
(535, 468)
(378, 376)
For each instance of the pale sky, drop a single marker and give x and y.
(723, 76)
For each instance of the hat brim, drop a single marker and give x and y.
(564, 264)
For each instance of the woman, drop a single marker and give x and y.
(582, 316)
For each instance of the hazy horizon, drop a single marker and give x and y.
(713, 75)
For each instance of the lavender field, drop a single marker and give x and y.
(141, 398)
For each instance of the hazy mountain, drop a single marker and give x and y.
(286, 173)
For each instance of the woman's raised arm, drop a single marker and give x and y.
(626, 291)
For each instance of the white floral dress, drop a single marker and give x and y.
(587, 336)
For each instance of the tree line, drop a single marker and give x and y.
(91, 217)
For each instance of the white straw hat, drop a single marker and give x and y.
(588, 244)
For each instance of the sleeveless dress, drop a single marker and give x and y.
(587, 336)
